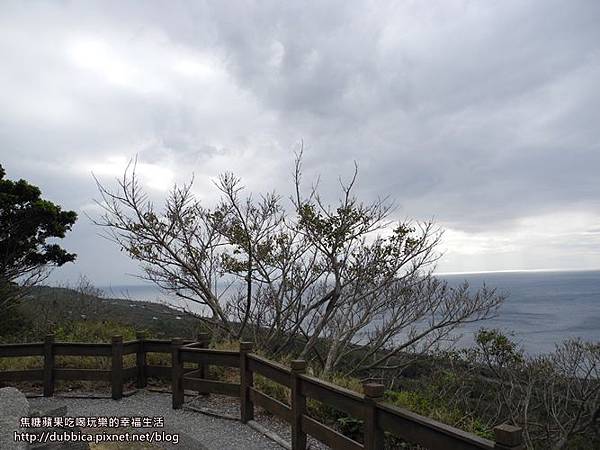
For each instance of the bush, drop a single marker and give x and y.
(93, 331)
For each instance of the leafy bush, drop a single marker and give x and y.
(93, 331)
(428, 404)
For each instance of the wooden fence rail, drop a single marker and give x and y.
(378, 418)
(117, 375)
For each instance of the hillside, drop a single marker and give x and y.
(52, 305)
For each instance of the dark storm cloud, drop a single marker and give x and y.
(482, 115)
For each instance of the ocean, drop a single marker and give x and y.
(542, 308)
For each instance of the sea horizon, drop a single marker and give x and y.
(477, 272)
(542, 308)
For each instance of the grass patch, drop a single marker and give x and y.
(21, 362)
(424, 404)
(93, 331)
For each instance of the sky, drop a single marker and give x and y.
(482, 116)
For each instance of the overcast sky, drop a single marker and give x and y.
(482, 115)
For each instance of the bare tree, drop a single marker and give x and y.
(378, 289)
(178, 247)
(338, 272)
(88, 296)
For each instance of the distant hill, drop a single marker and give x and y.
(54, 304)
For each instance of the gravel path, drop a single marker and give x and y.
(230, 407)
(197, 431)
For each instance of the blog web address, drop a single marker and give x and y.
(96, 438)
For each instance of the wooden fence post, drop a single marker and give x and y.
(176, 373)
(203, 339)
(141, 360)
(373, 434)
(508, 437)
(49, 365)
(246, 381)
(298, 367)
(117, 367)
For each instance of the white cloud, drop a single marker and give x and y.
(158, 177)
(482, 115)
(562, 239)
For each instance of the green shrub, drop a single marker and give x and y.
(93, 331)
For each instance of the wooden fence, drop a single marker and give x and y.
(377, 417)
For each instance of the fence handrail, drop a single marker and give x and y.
(378, 417)
(25, 349)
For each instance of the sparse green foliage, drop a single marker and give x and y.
(498, 348)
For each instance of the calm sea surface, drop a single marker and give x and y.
(542, 308)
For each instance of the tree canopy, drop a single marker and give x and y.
(27, 224)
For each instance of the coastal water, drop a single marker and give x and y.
(541, 308)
